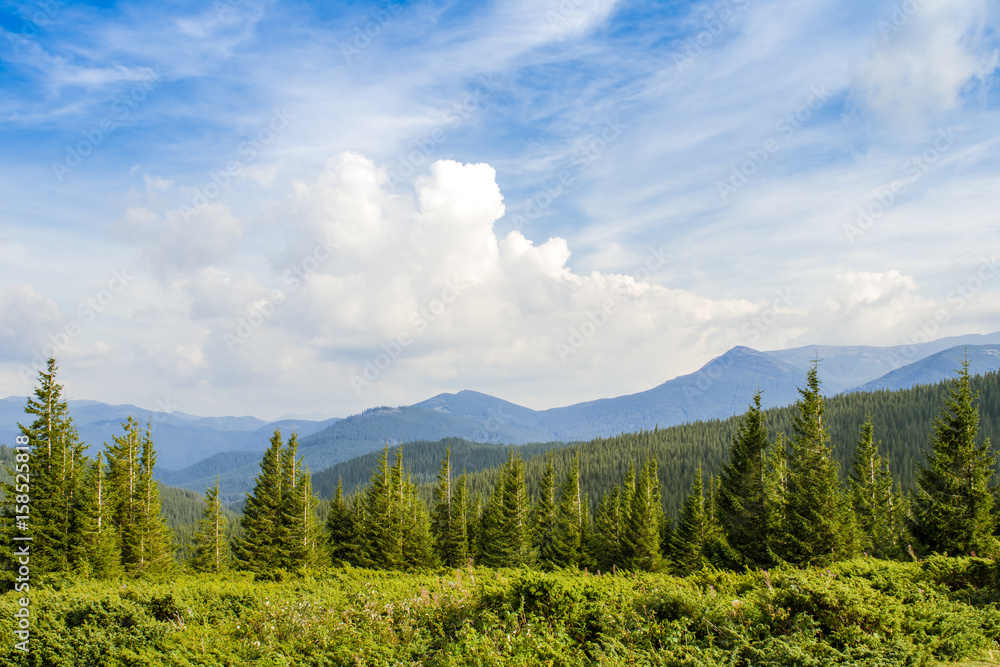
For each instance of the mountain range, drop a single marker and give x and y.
(193, 450)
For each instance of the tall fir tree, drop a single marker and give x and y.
(813, 531)
(341, 530)
(443, 516)
(873, 503)
(418, 543)
(100, 549)
(211, 544)
(57, 468)
(543, 520)
(743, 491)
(460, 523)
(570, 520)
(516, 514)
(689, 540)
(606, 542)
(645, 518)
(124, 454)
(953, 506)
(155, 554)
(257, 550)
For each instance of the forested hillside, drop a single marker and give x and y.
(901, 420)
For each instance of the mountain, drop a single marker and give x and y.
(843, 368)
(181, 439)
(937, 367)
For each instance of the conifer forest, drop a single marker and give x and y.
(791, 536)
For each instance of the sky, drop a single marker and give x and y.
(272, 208)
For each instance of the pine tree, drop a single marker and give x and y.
(418, 544)
(211, 547)
(289, 540)
(342, 530)
(460, 523)
(954, 502)
(155, 554)
(570, 516)
(645, 517)
(607, 539)
(257, 550)
(688, 548)
(812, 499)
(443, 517)
(57, 468)
(100, 550)
(873, 502)
(543, 518)
(516, 535)
(124, 472)
(743, 494)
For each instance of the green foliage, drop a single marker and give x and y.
(876, 508)
(954, 502)
(743, 497)
(57, 466)
(858, 612)
(211, 552)
(812, 522)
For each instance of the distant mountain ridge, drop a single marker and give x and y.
(193, 450)
(181, 439)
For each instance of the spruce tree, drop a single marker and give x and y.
(954, 502)
(443, 516)
(743, 494)
(155, 554)
(645, 518)
(688, 548)
(124, 456)
(607, 538)
(257, 550)
(460, 523)
(57, 468)
(341, 530)
(543, 518)
(418, 544)
(211, 546)
(570, 520)
(100, 550)
(873, 502)
(812, 498)
(516, 513)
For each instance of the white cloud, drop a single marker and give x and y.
(926, 58)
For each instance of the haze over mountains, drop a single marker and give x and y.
(193, 450)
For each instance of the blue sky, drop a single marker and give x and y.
(277, 207)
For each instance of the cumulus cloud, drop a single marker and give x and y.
(28, 322)
(928, 53)
(883, 305)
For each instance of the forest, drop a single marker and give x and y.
(792, 536)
